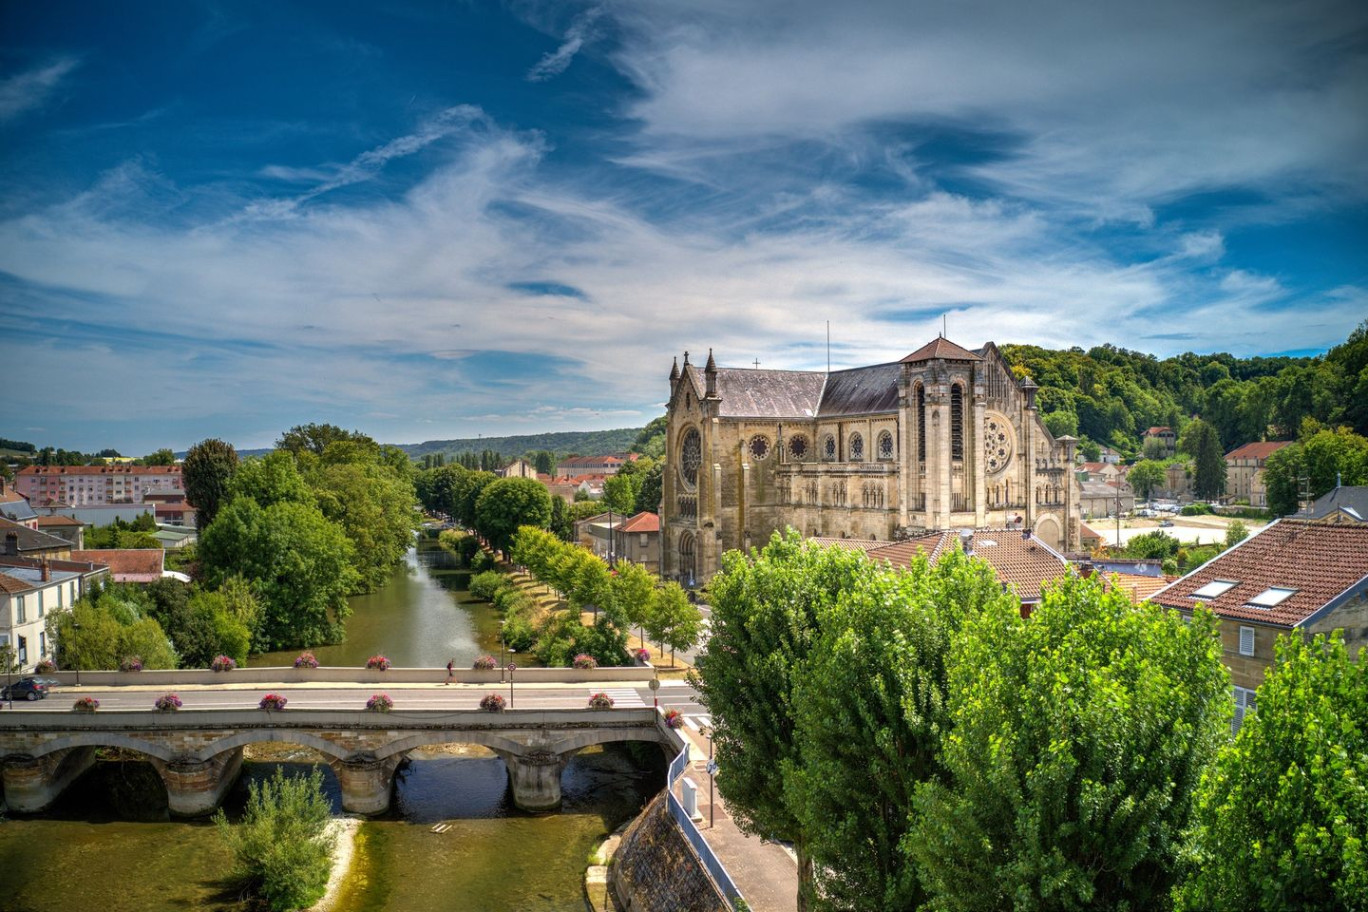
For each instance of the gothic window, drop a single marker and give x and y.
(798, 446)
(687, 564)
(759, 446)
(856, 448)
(921, 423)
(885, 445)
(997, 443)
(829, 447)
(956, 422)
(690, 457)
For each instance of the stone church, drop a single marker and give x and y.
(946, 438)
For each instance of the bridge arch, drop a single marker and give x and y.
(68, 741)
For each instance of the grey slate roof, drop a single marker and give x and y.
(30, 539)
(1352, 499)
(768, 393)
(861, 391)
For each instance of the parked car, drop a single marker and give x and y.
(1166, 524)
(25, 689)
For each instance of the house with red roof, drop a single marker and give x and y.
(127, 565)
(1245, 471)
(1293, 577)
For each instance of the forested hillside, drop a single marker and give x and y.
(561, 443)
(1110, 395)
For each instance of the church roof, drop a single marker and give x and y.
(861, 391)
(941, 348)
(747, 393)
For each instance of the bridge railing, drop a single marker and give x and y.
(347, 675)
(716, 870)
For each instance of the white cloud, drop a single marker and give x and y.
(558, 61)
(32, 89)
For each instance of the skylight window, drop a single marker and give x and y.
(1214, 588)
(1271, 597)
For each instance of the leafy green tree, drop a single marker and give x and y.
(282, 849)
(272, 479)
(1236, 532)
(162, 457)
(651, 440)
(507, 503)
(1156, 545)
(1323, 459)
(1145, 476)
(1079, 738)
(1283, 812)
(766, 607)
(672, 620)
(106, 625)
(651, 491)
(315, 438)
(299, 564)
(208, 468)
(375, 508)
(545, 462)
(467, 494)
(1209, 473)
(1154, 449)
(871, 704)
(630, 590)
(620, 493)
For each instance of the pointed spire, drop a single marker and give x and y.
(710, 376)
(711, 365)
(674, 371)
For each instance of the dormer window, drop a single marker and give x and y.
(1271, 597)
(1214, 589)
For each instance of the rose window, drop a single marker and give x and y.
(759, 446)
(691, 457)
(997, 444)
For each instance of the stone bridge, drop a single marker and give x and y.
(198, 753)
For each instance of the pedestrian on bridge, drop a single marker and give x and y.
(451, 673)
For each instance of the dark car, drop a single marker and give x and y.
(25, 689)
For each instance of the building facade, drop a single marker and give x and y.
(1245, 471)
(945, 438)
(97, 484)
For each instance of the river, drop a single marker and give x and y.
(452, 839)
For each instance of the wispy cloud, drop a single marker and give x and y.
(558, 61)
(32, 89)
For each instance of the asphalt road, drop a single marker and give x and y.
(672, 695)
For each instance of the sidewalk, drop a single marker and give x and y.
(764, 872)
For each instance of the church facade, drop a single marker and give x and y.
(946, 438)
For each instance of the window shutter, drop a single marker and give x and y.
(1246, 641)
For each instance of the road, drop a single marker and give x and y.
(672, 695)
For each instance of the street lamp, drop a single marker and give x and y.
(75, 627)
(512, 667)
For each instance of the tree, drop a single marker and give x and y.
(620, 493)
(282, 849)
(630, 590)
(1145, 476)
(374, 507)
(1283, 813)
(106, 625)
(651, 491)
(1156, 545)
(298, 563)
(871, 705)
(765, 610)
(545, 462)
(1154, 449)
(208, 468)
(1209, 473)
(272, 479)
(1323, 459)
(672, 619)
(1236, 532)
(315, 438)
(507, 503)
(162, 457)
(1079, 737)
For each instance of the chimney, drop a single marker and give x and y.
(47, 571)
(11, 542)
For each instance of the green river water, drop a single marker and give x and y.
(452, 840)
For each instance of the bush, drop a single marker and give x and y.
(223, 663)
(168, 703)
(485, 663)
(282, 849)
(272, 701)
(511, 601)
(45, 667)
(600, 701)
(487, 585)
(86, 705)
(378, 663)
(492, 703)
(481, 560)
(673, 719)
(380, 703)
(1195, 509)
(131, 663)
(519, 633)
(584, 661)
(306, 660)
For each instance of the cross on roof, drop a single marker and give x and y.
(757, 363)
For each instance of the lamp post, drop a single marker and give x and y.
(75, 627)
(512, 667)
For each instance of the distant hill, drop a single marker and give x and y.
(562, 443)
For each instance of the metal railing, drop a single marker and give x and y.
(690, 830)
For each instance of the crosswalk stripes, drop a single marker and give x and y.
(698, 722)
(623, 697)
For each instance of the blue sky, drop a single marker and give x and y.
(432, 220)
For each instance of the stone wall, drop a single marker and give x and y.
(655, 869)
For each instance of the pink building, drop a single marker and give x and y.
(97, 484)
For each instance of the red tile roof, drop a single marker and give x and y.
(13, 585)
(1321, 562)
(642, 522)
(58, 520)
(100, 470)
(127, 565)
(1259, 450)
(941, 348)
(1139, 588)
(1157, 430)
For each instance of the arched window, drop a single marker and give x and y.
(687, 567)
(829, 447)
(885, 445)
(856, 448)
(921, 423)
(957, 422)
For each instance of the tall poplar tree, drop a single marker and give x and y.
(208, 468)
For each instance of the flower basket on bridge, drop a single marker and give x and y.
(86, 705)
(643, 656)
(306, 660)
(168, 703)
(272, 701)
(131, 663)
(46, 666)
(378, 663)
(492, 703)
(380, 703)
(223, 663)
(485, 663)
(673, 719)
(584, 660)
(600, 701)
